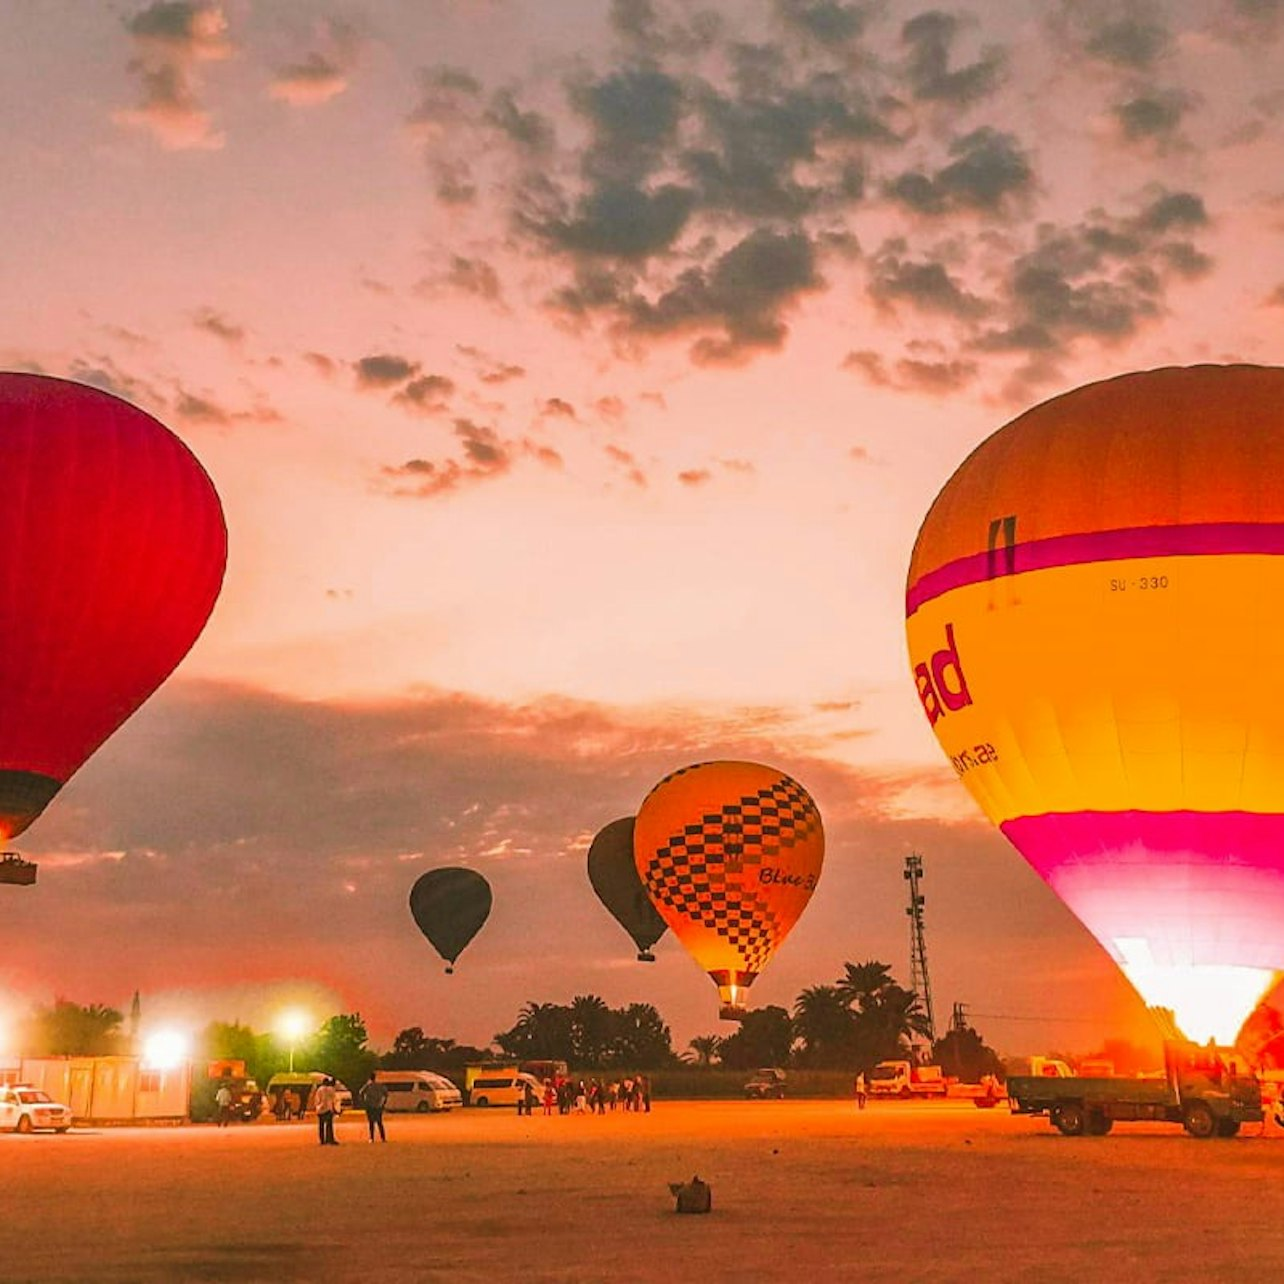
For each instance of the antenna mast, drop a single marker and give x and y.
(919, 982)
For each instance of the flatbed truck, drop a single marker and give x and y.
(1209, 1091)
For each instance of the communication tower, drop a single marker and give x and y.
(919, 981)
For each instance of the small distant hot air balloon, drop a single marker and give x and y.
(1095, 617)
(730, 853)
(450, 905)
(614, 875)
(112, 552)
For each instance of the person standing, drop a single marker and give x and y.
(374, 1097)
(326, 1100)
(861, 1092)
(223, 1100)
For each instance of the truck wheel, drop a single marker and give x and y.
(24, 1123)
(481, 1101)
(905, 1094)
(1199, 1120)
(1098, 1123)
(422, 1108)
(1068, 1119)
(1227, 1127)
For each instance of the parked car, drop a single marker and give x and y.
(24, 1108)
(418, 1090)
(767, 1082)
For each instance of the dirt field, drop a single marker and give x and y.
(802, 1191)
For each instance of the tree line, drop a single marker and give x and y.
(863, 1017)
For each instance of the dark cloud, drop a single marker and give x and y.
(931, 38)
(910, 374)
(485, 457)
(924, 284)
(490, 369)
(1133, 42)
(989, 168)
(1154, 116)
(557, 408)
(219, 326)
(828, 22)
(529, 130)
(324, 72)
(427, 394)
(474, 276)
(171, 39)
(627, 461)
(615, 221)
(383, 370)
(323, 365)
(745, 291)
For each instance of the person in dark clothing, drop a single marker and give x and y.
(374, 1097)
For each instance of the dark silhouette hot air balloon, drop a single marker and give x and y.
(614, 875)
(112, 551)
(450, 905)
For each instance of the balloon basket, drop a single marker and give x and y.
(645, 956)
(15, 870)
(732, 1012)
(450, 971)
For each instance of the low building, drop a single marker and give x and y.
(103, 1090)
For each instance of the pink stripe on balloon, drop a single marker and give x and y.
(1208, 538)
(1201, 887)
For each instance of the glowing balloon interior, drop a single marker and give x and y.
(112, 552)
(449, 906)
(730, 853)
(1095, 617)
(615, 879)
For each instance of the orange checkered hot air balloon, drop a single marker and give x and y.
(1095, 617)
(730, 853)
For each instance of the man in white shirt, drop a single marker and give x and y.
(326, 1100)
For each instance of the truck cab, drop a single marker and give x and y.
(904, 1079)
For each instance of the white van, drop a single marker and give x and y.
(502, 1088)
(418, 1090)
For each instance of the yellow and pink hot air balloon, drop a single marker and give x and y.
(1095, 617)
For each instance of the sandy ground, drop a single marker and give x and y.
(801, 1190)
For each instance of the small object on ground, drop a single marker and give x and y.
(694, 1196)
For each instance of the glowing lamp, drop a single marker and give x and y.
(165, 1050)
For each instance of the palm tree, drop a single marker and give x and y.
(890, 1020)
(705, 1047)
(825, 1024)
(590, 1029)
(861, 981)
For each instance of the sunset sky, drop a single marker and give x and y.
(575, 377)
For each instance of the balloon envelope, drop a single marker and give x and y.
(730, 853)
(112, 552)
(450, 905)
(1095, 617)
(615, 879)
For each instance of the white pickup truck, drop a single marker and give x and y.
(901, 1079)
(26, 1109)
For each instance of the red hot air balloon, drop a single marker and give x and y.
(112, 551)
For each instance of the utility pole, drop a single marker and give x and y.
(958, 1018)
(919, 981)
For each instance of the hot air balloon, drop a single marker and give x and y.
(112, 551)
(450, 905)
(1095, 611)
(614, 876)
(730, 853)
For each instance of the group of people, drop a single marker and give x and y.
(567, 1096)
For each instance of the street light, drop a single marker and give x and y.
(293, 1026)
(165, 1050)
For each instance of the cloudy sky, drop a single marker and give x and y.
(575, 376)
